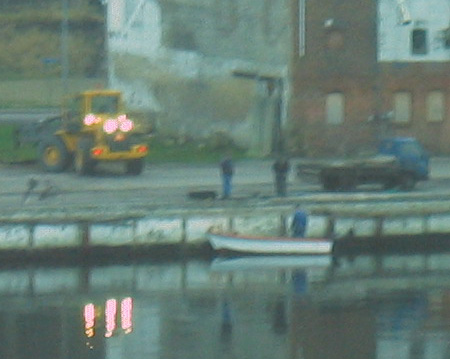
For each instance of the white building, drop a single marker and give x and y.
(416, 31)
(175, 59)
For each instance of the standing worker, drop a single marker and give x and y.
(299, 223)
(227, 171)
(281, 169)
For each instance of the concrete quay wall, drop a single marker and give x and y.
(28, 232)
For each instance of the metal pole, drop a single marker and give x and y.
(107, 63)
(65, 46)
(278, 145)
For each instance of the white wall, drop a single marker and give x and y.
(166, 74)
(394, 39)
(134, 27)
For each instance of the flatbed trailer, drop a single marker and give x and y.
(401, 162)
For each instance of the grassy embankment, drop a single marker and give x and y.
(10, 151)
(189, 152)
(45, 93)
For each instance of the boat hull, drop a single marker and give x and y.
(269, 245)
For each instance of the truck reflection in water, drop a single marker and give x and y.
(367, 307)
(326, 332)
(412, 325)
(376, 307)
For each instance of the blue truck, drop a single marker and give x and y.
(400, 163)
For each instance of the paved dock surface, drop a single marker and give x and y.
(168, 185)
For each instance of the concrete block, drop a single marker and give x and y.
(47, 236)
(197, 227)
(439, 223)
(343, 226)
(258, 225)
(395, 226)
(317, 226)
(112, 234)
(14, 236)
(364, 227)
(159, 230)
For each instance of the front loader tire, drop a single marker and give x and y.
(53, 154)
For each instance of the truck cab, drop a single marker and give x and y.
(409, 154)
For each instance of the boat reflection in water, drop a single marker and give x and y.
(257, 307)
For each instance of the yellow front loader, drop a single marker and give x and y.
(93, 128)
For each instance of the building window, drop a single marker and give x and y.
(419, 42)
(402, 107)
(335, 108)
(435, 106)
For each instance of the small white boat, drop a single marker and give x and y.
(269, 245)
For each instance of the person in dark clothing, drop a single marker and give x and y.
(281, 169)
(227, 171)
(299, 223)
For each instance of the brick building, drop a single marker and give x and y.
(365, 69)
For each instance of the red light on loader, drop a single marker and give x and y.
(97, 151)
(142, 149)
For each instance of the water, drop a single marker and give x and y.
(293, 307)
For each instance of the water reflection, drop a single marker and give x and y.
(293, 308)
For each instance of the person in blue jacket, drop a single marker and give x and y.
(299, 223)
(227, 171)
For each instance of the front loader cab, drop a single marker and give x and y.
(92, 107)
(109, 103)
(95, 128)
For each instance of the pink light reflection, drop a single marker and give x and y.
(126, 311)
(110, 317)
